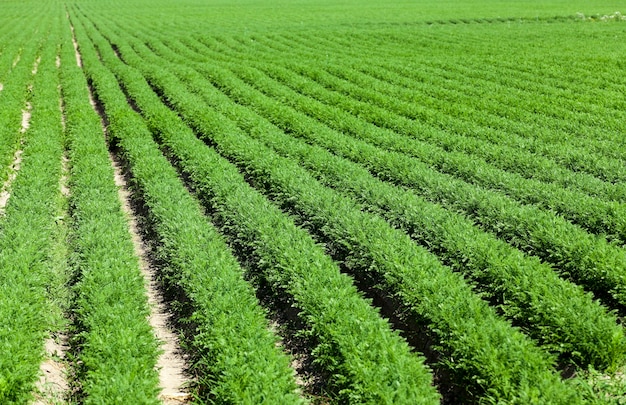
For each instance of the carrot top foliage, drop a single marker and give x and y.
(345, 202)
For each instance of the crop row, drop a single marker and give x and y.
(16, 64)
(115, 347)
(205, 279)
(340, 222)
(29, 237)
(360, 352)
(593, 214)
(486, 259)
(404, 97)
(441, 112)
(555, 101)
(365, 360)
(588, 259)
(421, 114)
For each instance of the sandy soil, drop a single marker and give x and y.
(79, 60)
(5, 191)
(171, 363)
(26, 118)
(5, 194)
(52, 385)
(36, 66)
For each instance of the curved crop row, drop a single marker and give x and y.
(571, 156)
(365, 242)
(533, 291)
(366, 361)
(116, 346)
(26, 239)
(579, 103)
(244, 367)
(597, 216)
(507, 158)
(587, 259)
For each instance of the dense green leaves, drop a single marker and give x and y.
(27, 236)
(242, 367)
(366, 361)
(463, 167)
(116, 345)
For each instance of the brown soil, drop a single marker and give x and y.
(52, 385)
(26, 117)
(171, 363)
(36, 65)
(5, 194)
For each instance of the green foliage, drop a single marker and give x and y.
(368, 363)
(241, 367)
(371, 249)
(463, 162)
(527, 291)
(28, 233)
(116, 346)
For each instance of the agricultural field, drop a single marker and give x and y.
(313, 201)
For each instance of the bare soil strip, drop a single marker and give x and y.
(79, 59)
(5, 194)
(26, 113)
(52, 385)
(64, 180)
(5, 191)
(36, 65)
(171, 363)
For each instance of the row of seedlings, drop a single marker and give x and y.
(599, 216)
(364, 360)
(576, 158)
(595, 215)
(28, 238)
(465, 327)
(15, 92)
(505, 107)
(396, 95)
(510, 159)
(535, 295)
(589, 260)
(115, 347)
(206, 283)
